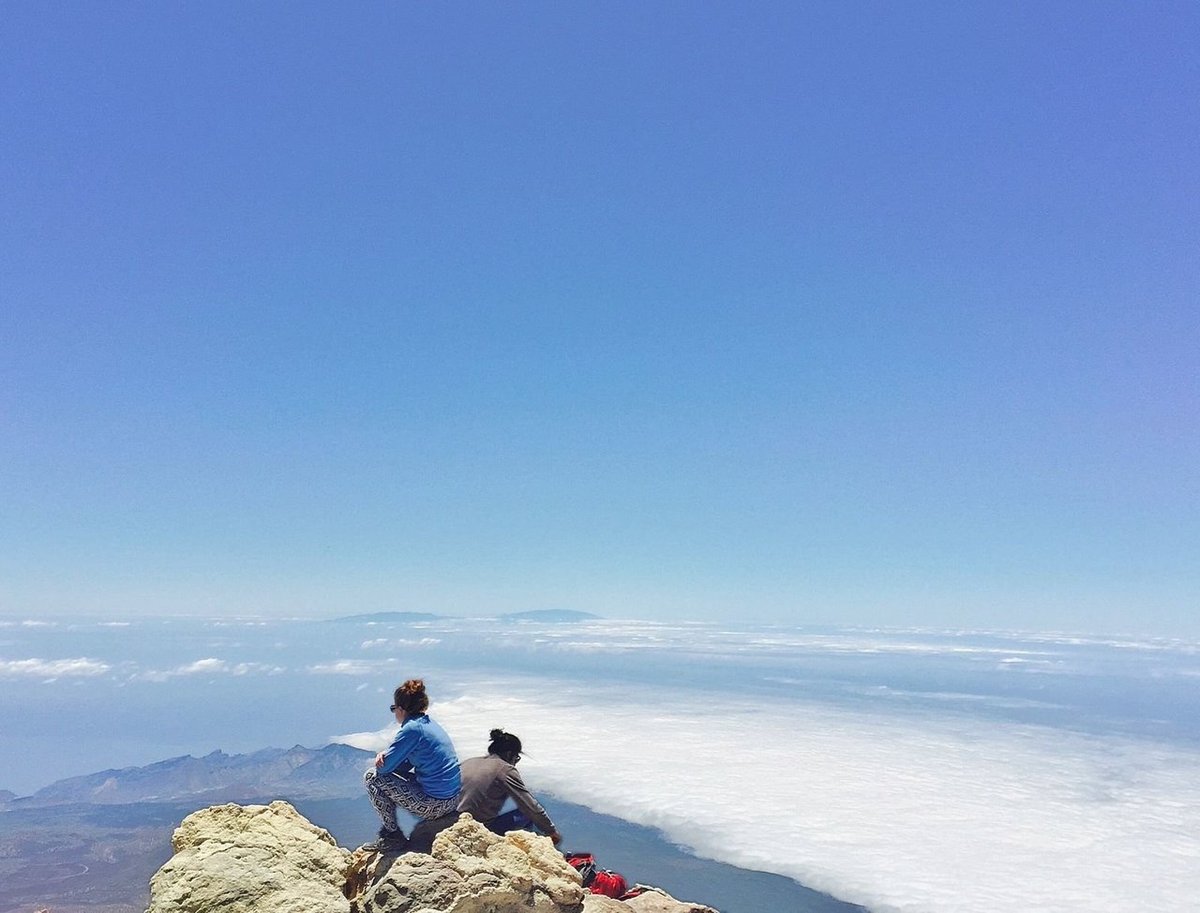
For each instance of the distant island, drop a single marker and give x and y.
(397, 617)
(546, 616)
(554, 616)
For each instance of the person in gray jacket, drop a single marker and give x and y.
(488, 781)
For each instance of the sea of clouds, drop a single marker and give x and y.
(905, 770)
(896, 814)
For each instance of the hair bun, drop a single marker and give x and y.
(495, 734)
(411, 697)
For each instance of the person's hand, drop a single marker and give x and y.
(379, 760)
(555, 837)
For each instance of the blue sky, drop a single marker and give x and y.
(860, 313)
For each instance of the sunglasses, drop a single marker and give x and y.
(393, 708)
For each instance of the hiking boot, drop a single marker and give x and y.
(389, 842)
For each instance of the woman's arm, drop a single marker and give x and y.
(397, 753)
(529, 805)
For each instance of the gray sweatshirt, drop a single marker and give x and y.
(488, 781)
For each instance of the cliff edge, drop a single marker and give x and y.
(260, 858)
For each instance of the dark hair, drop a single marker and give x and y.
(411, 697)
(505, 745)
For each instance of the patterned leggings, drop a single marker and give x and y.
(387, 791)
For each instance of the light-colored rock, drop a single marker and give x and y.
(251, 859)
(270, 859)
(470, 870)
(653, 900)
(598, 903)
(656, 900)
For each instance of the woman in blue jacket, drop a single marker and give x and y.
(418, 772)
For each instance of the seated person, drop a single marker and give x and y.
(418, 772)
(488, 781)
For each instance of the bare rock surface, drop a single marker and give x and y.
(243, 858)
(652, 900)
(469, 870)
(271, 859)
(658, 901)
(598, 903)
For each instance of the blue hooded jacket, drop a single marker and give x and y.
(426, 748)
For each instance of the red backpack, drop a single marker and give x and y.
(585, 865)
(598, 881)
(611, 884)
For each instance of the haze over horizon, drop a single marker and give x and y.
(933, 772)
(862, 314)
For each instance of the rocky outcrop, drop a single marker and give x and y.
(240, 859)
(270, 859)
(470, 870)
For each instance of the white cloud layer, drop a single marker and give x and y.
(400, 642)
(202, 666)
(361, 667)
(52, 668)
(900, 814)
(367, 741)
(211, 666)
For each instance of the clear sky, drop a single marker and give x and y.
(873, 313)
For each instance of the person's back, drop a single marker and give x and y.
(425, 746)
(488, 781)
(485, 786)
(418, 772)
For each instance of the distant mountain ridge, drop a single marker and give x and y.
(549, 616)
(384, 617)
(553, 616)
(334, 771)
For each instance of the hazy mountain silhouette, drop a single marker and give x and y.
(551, 616)
(394, 617)
(334, 771)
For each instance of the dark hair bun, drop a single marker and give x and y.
(505, 744)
